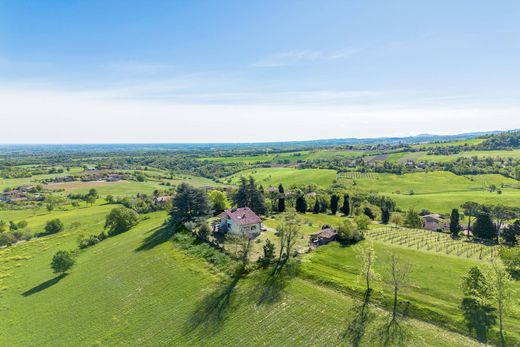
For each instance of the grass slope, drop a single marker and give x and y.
(288, 176)
(119, 295)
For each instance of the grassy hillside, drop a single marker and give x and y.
(434, 289)
(288, 176)
(140, 289)
(438, 191)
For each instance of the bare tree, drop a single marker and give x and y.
(288, 231)
(367, 258)
(399, 273)
(245, 247)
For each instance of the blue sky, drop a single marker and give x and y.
(221, 71)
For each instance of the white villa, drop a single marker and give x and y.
(240, 221)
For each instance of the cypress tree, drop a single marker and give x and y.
(334, 200)
(385, 216)
(454, 222)
(346, 205)
(281, 199)
(301, 204)
(316, 206)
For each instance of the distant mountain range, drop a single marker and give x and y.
(421, 138)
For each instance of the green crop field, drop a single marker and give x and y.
(139, 289)
(288, 176)
(402, 157)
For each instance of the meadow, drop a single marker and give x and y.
(287, 176)
(114, 296)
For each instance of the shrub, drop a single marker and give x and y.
(85, 242)
(120, 219)
(54, 226)
(7, 239)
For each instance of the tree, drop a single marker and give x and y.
(288, 231)
(471, 210)
(511, 258)
(324, 204)
(268, 256)
(484, 227)
(110, 199)
(120, 219)
(367, 211)
(387, 205)
(511, 233)
(53, 226)
(316, 208)
(398, 277)
(189, 204)
(367, 258)
(362, 222)
(218, 200)
(301, 204)
(62, 261)
(204, 231)
(501, 282)
(345, 209)
(396, 219)
(334, 202)
(281, 199)
(475, 285)
(385, 216)
(412, 219)
(249, 195)
(501, 214)
(90, 199)
(454, 222)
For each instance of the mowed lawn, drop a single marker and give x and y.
(434, 287)
(438, 191)
(121, 293)
(288, 176)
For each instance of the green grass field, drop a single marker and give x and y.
(139, 289)
(288, 176)
(438, 191)
(434, 290)
(402, 157)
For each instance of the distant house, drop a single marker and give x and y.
(323, 237)
(240, 221)
(434, 222)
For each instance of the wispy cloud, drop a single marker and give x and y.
(298, 57)
(138, 67)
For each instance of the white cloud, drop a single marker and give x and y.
(296, 57)
(53, 116)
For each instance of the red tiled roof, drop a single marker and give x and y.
(242, 215)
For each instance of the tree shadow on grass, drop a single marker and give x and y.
(159, 236)
(42, 286)
(479, 318)
(392, 333)
(273, 282)
(357, 326)
(213, 310)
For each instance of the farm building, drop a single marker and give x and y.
(323, 237)
(434, 222)
(240, 221)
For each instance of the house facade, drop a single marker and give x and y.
(240, 221)
(434, 222)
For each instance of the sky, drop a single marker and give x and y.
(252, 71)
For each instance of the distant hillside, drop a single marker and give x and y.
(419, 139)
(506, 140)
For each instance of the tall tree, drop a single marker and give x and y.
(345, 209)
(281, 199)
(288, 231)
(454, 222)
(334, 201)
(412, 219)
(316, 208)
(501, 214)
(189, 204)
(484, 227)
(301, 204)
(249, 195)
(367, 258)
(218, 200)
(501, 282)
(398, 277)
(470, 210)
